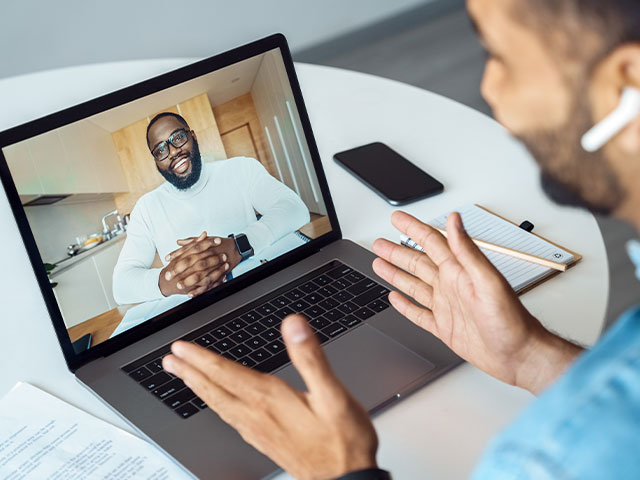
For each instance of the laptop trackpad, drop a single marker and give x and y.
(373, 366)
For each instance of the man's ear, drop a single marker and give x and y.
(193, 134)
(618, 70)
(630, 137)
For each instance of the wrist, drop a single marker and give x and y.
(357, 459)
(241, 246)
(235, 258)
(163, 284)
(546, 358)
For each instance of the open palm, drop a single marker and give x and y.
(461, 298)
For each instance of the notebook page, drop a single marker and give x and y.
(485, 226)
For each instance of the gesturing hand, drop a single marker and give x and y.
(467, 303)
(322, 433)
(199, 265)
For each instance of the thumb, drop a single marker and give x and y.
(308, 357)
(467, 253)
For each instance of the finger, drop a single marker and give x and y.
(188, 241)
(226, 374)
(202, 278)
(204, 288)
(196, 292)
(216, 397)
(406, 258)
(200, 244)
(432, 241)
(468, 254)
(195, 262)
(412, 286)
(422, 317)
(193, 247)
(183, 248)
(309, 359)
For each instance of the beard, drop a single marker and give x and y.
(184, 183)
(569, 175)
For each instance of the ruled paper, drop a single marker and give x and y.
(483, 225)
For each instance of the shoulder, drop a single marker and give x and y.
(237, 167)
(237, 163)
(145, 201)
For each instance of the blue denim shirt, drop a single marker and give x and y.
(586, 425)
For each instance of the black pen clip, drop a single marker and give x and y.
(527, 226)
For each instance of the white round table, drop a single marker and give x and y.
(440, 431)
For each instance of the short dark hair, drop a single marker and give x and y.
(162, 115)
(612, 22)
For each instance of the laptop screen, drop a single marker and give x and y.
(139, 209)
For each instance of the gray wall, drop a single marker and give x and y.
(40, 35)
(56, 226)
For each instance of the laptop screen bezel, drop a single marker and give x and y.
(126, 95)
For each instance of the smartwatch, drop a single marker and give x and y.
(242, 245)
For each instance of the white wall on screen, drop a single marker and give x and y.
(271, 91)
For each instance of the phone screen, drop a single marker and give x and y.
(389, 174)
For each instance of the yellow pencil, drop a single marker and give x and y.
(515, 253)
(561, 267)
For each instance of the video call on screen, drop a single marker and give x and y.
(109, 197)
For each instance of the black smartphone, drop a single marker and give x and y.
(388, 173)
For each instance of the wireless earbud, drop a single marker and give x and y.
(601, 133)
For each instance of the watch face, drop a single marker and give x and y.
(243, 243)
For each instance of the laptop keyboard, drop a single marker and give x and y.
(334, 298)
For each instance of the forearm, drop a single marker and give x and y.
(548, 357)
(134, 280)
(277, 221)
(135, 284)
(282, 210)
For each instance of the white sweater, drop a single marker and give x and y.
(223, 201)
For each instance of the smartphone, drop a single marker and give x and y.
(388, 173)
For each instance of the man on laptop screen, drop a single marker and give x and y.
(218, 198)
(213, 175)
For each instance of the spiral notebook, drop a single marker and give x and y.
(482, 224)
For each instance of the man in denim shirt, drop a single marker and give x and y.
(555, 68)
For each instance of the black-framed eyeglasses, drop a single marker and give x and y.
(177, 139)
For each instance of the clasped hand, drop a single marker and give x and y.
(199, 265)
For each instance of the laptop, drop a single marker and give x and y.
(95, 189)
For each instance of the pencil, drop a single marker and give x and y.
(561, 267)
